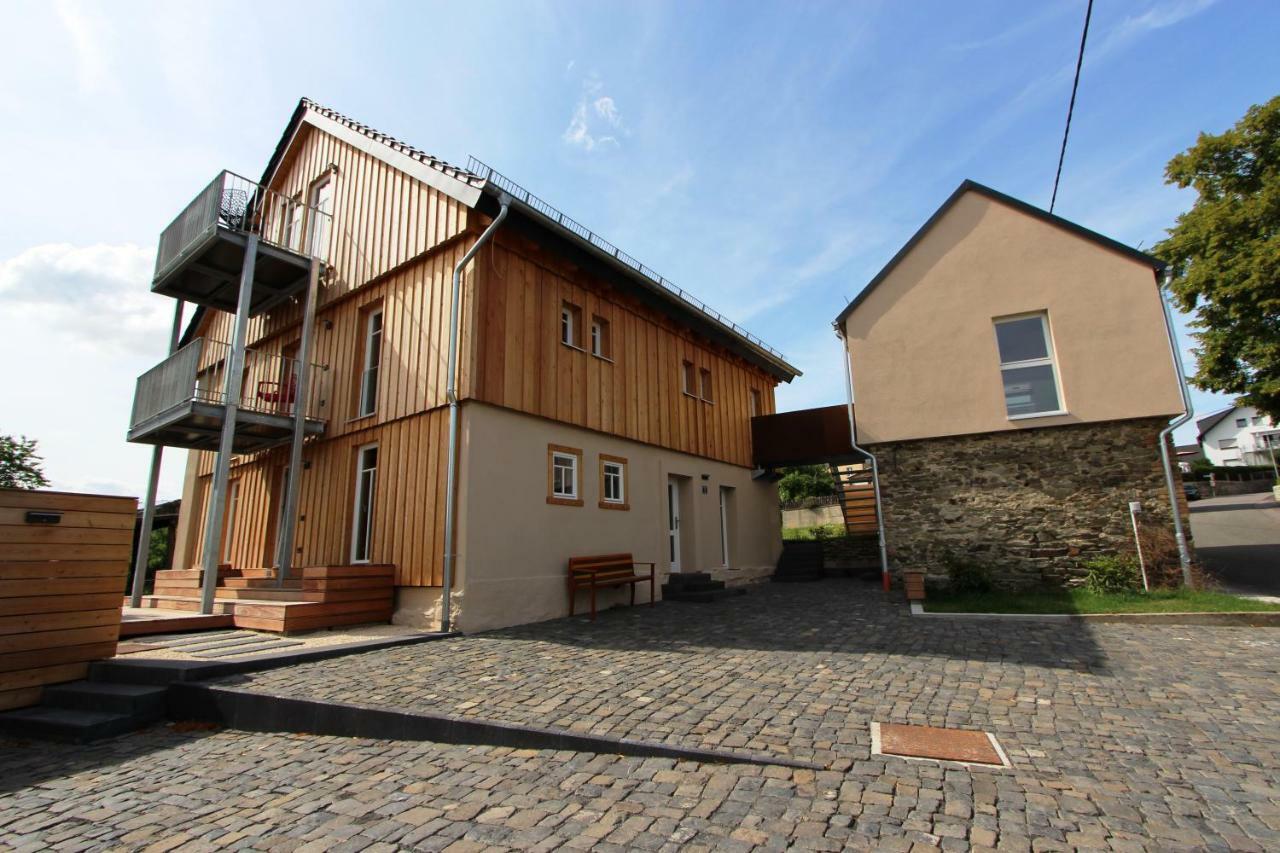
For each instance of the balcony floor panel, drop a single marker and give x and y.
(198, 426)
(208, 273)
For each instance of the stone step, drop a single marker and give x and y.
(683, 579)
(703, 597)
(138, 700)
(66, 724)
(708, 586)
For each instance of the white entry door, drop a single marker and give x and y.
(673, 524)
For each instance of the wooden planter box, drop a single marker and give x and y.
(914, 581)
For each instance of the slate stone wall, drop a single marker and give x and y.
(1032, 504)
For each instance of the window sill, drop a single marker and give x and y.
(603, 358)
(564, 501)
(573, 347)
(1033, 415)
(614, 505)
(362, 417)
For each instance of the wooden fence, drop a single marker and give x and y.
(64, 558)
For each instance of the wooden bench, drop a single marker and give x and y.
(606, 570)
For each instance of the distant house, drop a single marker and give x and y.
(1238, 436)
(1013, 373)
(1187, 455)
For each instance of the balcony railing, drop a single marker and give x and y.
(196, 374)
(238, 204)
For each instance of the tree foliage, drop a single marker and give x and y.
(1225, 256)
(805, 481)
(20, 465)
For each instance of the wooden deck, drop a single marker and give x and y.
(313, 598)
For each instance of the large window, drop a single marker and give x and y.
(362, 515)
(370, 363)
(613, 482)
(1027, 368)
(563, 483)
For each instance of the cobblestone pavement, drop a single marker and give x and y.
(1121, 737)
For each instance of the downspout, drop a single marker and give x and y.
(1184, 553)
(451, 394)
(875, 468)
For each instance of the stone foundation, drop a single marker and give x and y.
(1032, 505)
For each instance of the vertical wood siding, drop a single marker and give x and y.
(637, 393)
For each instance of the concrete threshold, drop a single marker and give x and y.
(250, 710)
(1240, 618)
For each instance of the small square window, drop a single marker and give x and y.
(571, 325)
(613, 482)
(1242, 422)
(687, 378)
(563, 465)
(600, 343)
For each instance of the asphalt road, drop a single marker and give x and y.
(1238, 540)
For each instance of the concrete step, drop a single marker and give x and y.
(66, 724)
(139, 700)
(705, 597)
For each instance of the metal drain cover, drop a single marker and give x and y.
(930, 743)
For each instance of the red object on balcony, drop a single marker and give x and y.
(281, 395)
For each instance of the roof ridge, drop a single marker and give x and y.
(437, 163)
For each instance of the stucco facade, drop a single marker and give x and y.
(514, 545)
(923, 347)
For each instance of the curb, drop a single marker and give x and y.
(169, 671)
(1243, 618)
(266, 712)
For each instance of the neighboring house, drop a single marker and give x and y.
(1238, 436)
(1187, 455)
(1013, 372)
(601, 409)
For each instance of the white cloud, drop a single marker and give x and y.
(94, 297)
(596, 121)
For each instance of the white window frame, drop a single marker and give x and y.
(320, 226)
(597, 338)
(754, 401)
(557, 458)
(1228, 444)
(566, 325)
(1049, 360)
(616, 471)
(361, 493)
(369, 393)
(292, 218)
(724, 526)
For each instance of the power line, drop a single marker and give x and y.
(1088, 13)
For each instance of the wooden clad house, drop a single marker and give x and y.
(599, 409)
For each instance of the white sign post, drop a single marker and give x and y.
(1135, 507)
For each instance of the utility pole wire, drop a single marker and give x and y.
(1088, 13)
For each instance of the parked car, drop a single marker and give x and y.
(1192, 490)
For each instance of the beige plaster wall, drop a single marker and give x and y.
(923, 347)
(515, 546)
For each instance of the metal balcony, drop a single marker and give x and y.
(180, 402)
(202, 252)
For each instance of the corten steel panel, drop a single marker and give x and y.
(806, 437)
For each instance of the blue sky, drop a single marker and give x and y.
(768, 158)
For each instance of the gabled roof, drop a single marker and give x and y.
(1205, 424)
(1010, 201)
(468, 186)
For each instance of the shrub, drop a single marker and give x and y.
(1113, 574)
(966, 575)
(1164, 568)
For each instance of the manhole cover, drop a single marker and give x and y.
(930, 743)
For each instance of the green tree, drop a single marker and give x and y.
(805, 481)
(20, 465)
(1225, 256)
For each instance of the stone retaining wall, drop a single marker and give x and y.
(1032, 505)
